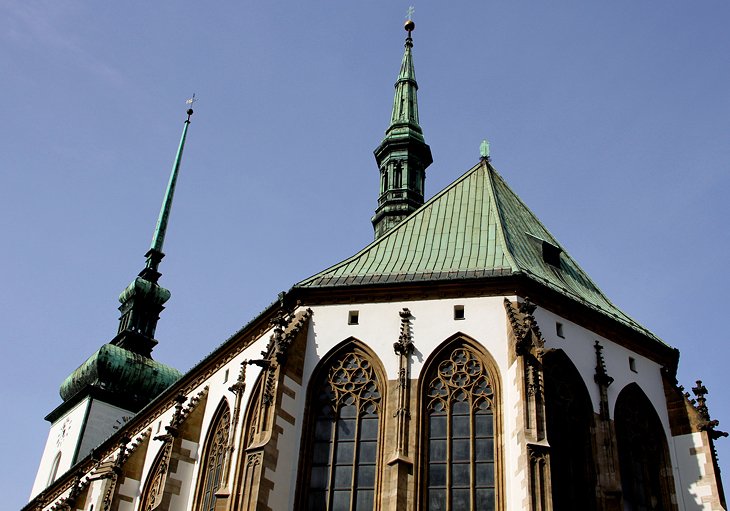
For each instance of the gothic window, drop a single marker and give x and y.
(155, 485)
(344, 430)
(569, 418)
(398, 176)
(459, 433)
(214, 454)
(646, 474)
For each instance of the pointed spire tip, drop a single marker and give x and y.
(190, 102)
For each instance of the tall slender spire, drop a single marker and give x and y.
(403, 155)
(142, 301)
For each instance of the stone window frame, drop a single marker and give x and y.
(438, 355)
(155, 480)
(337, 353)
(216, 444)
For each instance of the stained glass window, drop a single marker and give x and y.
(459, 434)
(343, 458)
(214, 458)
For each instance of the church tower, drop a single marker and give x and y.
(403, 155)
(121, 377)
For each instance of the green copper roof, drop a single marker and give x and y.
(404, 117)
(475, 228)
(119, 370)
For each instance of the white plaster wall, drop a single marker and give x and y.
(104, 420)
(578, 343)
(128, 487)
(284, 478)
(515, 479)
(96, 494)
(432, 323)
(184, 474)
(691, 471)
(63, 437)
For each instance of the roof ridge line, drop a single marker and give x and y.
(629, 319)
(397, 228)
(500, 222)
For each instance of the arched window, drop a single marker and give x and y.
(341, 457)
(398, 177)
(569, 418)
(214, 454)
(155, 484)
(459, 401)
(54, 469)
(646, 474)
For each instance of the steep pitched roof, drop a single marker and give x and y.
(477, 227)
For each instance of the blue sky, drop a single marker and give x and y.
(611, 120)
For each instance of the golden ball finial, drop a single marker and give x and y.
(409, 26)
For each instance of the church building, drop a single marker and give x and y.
(460, 361)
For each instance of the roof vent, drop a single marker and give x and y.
(550, 252)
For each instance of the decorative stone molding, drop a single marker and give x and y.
(603, 380)
(403, 347)
(709, 424)
(254, 459)
(526, 332)
(528, 348)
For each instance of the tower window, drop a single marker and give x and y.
(353, 318)
(459, 312)
(559, 330)
(225, 376)
(398, 177)
(54, 469)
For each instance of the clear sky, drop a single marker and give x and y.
(611, 120)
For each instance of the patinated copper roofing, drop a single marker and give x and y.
(476, 228)
(116, 369)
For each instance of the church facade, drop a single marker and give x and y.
(462, 360)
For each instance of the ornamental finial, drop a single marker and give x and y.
(484, 150)
(190, 102)
(409, 24)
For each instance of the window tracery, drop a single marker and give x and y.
(152, 493)
(459, 439)
(214, 458)
(345, 428)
